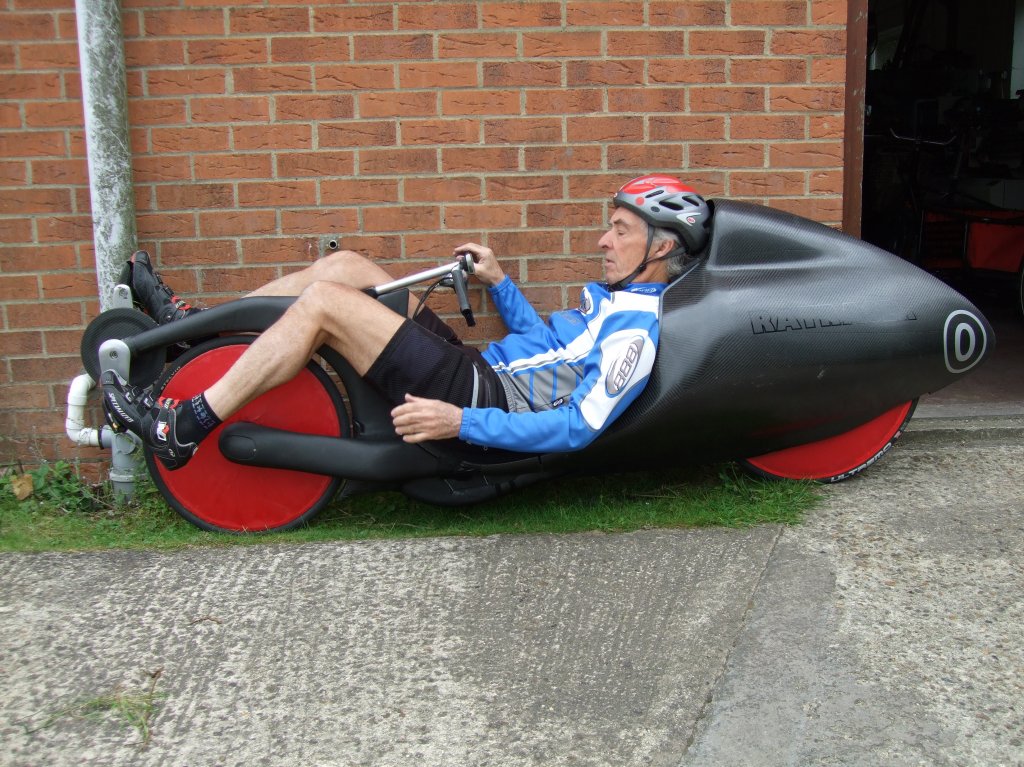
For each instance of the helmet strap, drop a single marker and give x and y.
(613, 286)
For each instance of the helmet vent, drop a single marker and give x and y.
(671, 205)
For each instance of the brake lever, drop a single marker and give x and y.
(458, 277)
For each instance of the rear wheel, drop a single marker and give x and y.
(839, 457)
(216, 494)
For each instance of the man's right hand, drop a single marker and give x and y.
(487, 268)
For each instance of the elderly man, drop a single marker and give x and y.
(548, 386)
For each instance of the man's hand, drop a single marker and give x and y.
(487, 270)
(420, 420)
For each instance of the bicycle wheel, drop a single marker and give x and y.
(216, 494)
(836, 458)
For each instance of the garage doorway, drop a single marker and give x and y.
(942, 154)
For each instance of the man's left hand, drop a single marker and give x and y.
(420, 420)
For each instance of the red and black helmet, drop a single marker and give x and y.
(666, 202)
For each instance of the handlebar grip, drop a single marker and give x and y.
(459, 283)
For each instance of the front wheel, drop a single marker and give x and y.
(836, 458)
(216, 494)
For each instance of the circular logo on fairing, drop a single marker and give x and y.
(964, 341)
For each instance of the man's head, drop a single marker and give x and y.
(658, 221)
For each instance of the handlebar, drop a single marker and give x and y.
(451, 275)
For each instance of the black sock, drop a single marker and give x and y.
(195, 419)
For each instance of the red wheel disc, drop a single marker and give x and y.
(838, 457)
(229, 496)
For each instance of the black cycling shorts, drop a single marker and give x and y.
(426, 358)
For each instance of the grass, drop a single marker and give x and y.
(133, 709)
(65, 514)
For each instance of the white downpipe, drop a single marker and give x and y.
(105, 110)
(74, 425)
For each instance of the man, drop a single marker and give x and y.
(547, 387)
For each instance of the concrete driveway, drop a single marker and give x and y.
(887, 629)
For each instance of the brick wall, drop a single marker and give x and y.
(405, 128)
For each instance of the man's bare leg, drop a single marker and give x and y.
(326, 313)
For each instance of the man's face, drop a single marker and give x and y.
(623, 244)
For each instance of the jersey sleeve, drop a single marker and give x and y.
(614, 374)
(516, 312)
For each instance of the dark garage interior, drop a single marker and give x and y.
(943, 182)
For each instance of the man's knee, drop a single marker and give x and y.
(341, 266)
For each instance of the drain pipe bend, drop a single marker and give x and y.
(74, 425)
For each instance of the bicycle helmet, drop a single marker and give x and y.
(668, 203)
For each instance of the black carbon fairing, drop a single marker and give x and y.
(788, 332)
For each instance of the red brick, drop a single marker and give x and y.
(768, 70)
(486, 216)
(247, 278)
(739, 42)
(604, 72)
(358, 133)
(37, 85)
(437, 16)
(647, 100)
(685, 71)
(436, 74)
(477, 45)
(48, 56)
(200, 138)
(808, 42)
(767, 183)
(69, 285)
(826, 182)
(604, 13)
(599, 128)
(828, 70)
(519, 14)
(47, 172)
(10, 116)
(14, 230)
(319, 220)
(52, 114)
(267, 250)
(480, 102)
(378, 162)
(358, 191)
(767, 127)
(827, 126)
(156, 112)
(824, 12)
(827, 210)
(523, 130)
(391, 219)
(524, 186)
(686, 127)
(21, 343)
(232, 223)
(564, 101)
(14, 172)
(192, 22)
(24, 395)
(727, 99)
(154, 52)
(647, 43)
(42, 369)
(29, 26)
(64, 228)
(37, 258)
(21, 201)
(568, 157)
(561, 44)
(347, 77)
(521, 74)
(309, 49)
(275, 137)
(275, 21)
(276, 193)
(270, 79)
(694, 13)
(233, 166)
(579, 270)
(180, 82)
(52, 314)
(458, 131)
(730, 155)
(19, 287)
(445, 189)
(230, 110)
(164, 225)
(809, 154)
(314, 107)
(482, 159)
(398, 104)
(364, 18)
(314, 164)
(634, 158)
(232, 50)
(768, 13)
(193, 196)
(810, 98)
(392, 47)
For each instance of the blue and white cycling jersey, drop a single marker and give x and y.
(568, 378)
